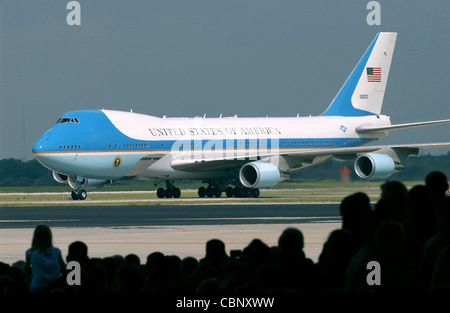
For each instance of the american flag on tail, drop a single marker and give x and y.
(374, 74)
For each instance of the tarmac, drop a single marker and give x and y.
(183, 241)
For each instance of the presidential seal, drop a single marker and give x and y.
(117, 161)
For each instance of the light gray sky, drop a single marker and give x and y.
(191, 57)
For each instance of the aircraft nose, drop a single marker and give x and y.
(39, 145)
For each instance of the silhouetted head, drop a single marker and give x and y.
(291, 240)
(256, 253)
(355, 210)
(188, 266)
(133, 259)
(42, 238)
(78, 251)
(215, 249)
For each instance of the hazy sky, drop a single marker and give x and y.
(191, 57)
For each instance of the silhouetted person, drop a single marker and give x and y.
(299, 272)
(333, 261)
(437, 183)
(421, 224)
(184, 284)
(438, 242)
(355, 210)
(214, 262)
(369, 250)
(133, 259)
(44, 262)
(398, 193)
(242, 271)
(78, 251)
(188, 266)
(98, 278)
(398, 274)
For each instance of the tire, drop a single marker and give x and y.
(160, 193)
(238, 192)
(255, 193)
(210, 192)
(82, 194)
(74, 195)
(176, 192)
(202, 192)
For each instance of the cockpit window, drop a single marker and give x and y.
(63, 120)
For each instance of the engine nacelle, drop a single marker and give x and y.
(60, 178)
(259, 175)
(376, 165)
(79, 184)
(85, 183)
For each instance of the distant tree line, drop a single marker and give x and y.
(18, 173)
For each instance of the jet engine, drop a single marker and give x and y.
(376, 165)
(259, 174)
(60, 178)
(76, 184)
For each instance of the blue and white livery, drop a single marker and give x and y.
(94, 147)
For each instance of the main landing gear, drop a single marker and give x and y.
(170, 192)
(214, 189)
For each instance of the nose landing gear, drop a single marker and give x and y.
(79, 194)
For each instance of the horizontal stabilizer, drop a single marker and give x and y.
(365, 130)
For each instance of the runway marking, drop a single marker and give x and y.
(245, 218)
(37, 221)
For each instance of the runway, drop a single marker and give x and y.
(181, 230)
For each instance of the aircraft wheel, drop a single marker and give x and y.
(229, 192)
(168, 193)
(74, 195)
(176, 192)
(160, 193)
(210, 192)
(202, 192)
(255, 193)
(82, 194)
(217, 192)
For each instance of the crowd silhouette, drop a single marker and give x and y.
(407, 232)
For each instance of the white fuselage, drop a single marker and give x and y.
(113, 144)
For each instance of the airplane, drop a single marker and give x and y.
(238, 156)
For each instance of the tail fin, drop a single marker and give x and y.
(363, 91)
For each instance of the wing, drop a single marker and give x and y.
(368, 129)
(294, 157)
